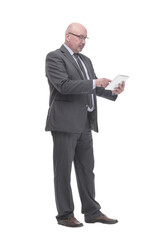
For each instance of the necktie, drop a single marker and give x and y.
(84, 77)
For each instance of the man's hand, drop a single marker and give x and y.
(102, 82)
(119, 89)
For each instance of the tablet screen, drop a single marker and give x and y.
(116, 81)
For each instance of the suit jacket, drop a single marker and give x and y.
(68, 93)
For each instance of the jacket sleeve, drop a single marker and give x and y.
(101, 92)
(57, 75)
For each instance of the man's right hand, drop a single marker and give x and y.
(102, 82)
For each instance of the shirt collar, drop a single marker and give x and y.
(69, 50)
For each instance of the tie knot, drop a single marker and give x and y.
(76, 55)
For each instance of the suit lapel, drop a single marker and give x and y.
(70, 58)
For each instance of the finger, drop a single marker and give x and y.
(115, 91)
(108, 80)
(120, 86)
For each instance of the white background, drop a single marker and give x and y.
(124, 39)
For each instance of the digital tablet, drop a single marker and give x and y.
(116, 81)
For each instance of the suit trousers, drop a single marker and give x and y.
(74, 148)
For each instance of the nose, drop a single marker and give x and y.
(83, 40)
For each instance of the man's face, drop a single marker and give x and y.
(76, 39)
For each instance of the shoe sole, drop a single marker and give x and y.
(104, 222)
(72, 226)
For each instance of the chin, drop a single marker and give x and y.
(80, 49)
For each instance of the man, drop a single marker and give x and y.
(71, 117)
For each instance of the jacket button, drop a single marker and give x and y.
(86, 106)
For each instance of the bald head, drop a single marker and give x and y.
(75, 27)
(75, 37)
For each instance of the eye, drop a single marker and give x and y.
(81, 37)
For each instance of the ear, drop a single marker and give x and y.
(67, 37)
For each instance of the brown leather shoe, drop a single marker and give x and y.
(103, 219)
(70, 222)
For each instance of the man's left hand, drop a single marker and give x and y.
(119, 89)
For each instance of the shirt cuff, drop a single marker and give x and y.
(94, 83)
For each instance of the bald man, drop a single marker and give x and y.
(71, 116)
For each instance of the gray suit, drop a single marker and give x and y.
(71, 124)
